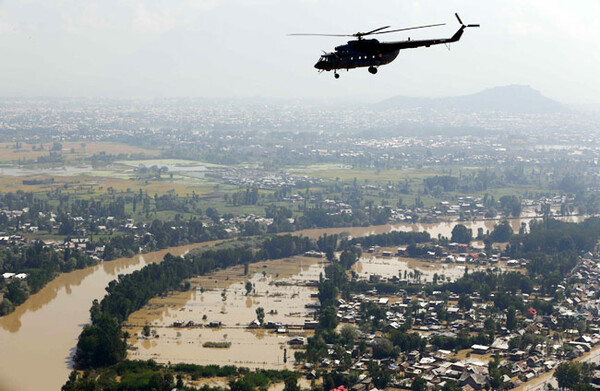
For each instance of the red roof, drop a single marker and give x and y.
(340, 388)
(532, 311)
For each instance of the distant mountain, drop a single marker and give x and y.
(509, 99)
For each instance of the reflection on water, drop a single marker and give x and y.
(12, 322)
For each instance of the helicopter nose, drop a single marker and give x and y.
(320, 65)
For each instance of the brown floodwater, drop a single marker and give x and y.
(397, 266)
(278, 286)
(37, 340)
(434, 229)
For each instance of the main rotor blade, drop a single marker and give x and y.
(410, 28)
(323, 35)
(473, 25)
(373, 31)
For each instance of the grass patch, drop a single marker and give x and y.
(217, 345)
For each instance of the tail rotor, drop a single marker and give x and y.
(465, 25)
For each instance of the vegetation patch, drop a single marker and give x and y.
(217, 345)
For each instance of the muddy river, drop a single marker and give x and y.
(40, 335)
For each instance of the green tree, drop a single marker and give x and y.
(291, 384)
(6, 307)
(465, 302)
(502, 232)
(16, 294)
(383, 348)
(511, 318)
(511, 205)
(260, 315)
(347, 259)
(418, 384)
(328, 318)
(574, 375)
(100, 344)
(349, 334)
(495, 374)
(327, 292)
(248, 288)
(490, 327)
(160, 382)
(329, 254)
(461, 234)
(146, 330)
(451, 386)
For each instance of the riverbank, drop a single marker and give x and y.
(42, 332)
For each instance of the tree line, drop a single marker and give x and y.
(41, 264)
(150, 376)
(102, 343)
(395, 238)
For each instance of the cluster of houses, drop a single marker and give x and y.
(438, 366)
(458, 253)
(16, 276)
(474, 207)
(12, 239)
(466, 205)
(49, 219)
(256, 178)
(79, 243)
(468, 369)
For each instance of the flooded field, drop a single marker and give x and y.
(278, 286)
(405, 268)
(397, 266)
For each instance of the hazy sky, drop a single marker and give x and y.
(239, 48)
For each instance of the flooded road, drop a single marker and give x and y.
(41, 334)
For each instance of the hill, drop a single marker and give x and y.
(510, 99)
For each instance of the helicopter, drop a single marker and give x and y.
(371, 53)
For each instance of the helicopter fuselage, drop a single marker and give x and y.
(356, 54)
(372, 53)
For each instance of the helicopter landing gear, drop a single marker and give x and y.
(336, 75)
(372, 70)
